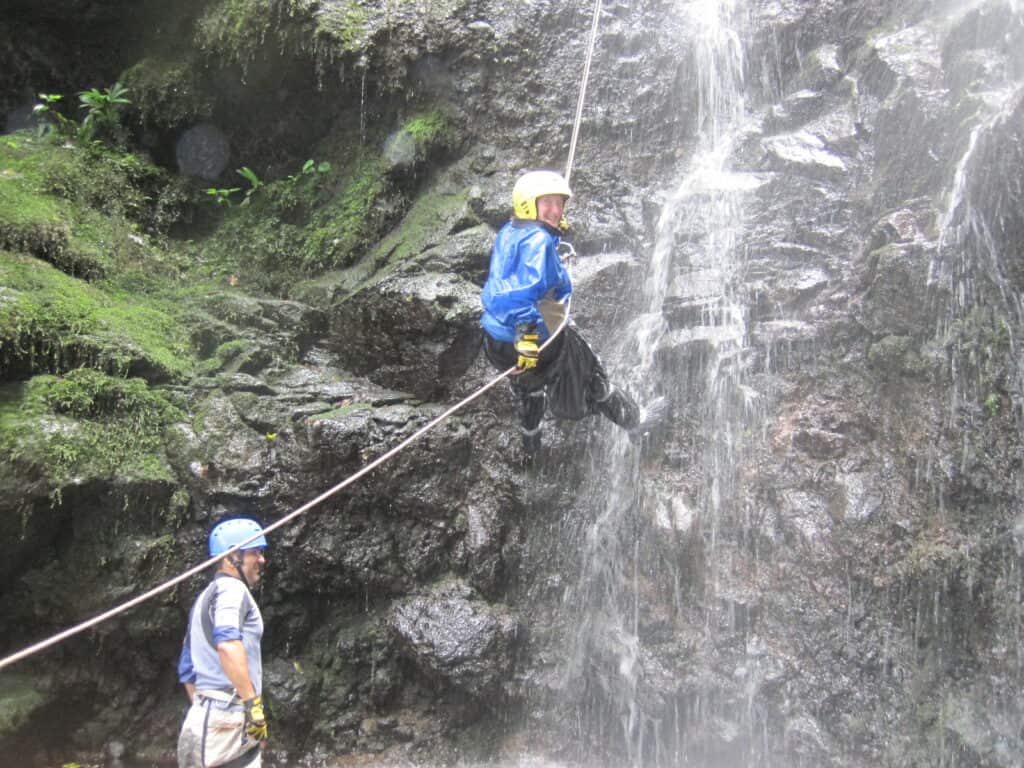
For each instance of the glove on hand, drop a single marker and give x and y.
(527, 346)
(255, 720)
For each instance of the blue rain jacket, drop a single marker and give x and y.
(524, 268)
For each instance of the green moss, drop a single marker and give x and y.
(50, 322)
(993, 404)
(936, 556)
(82, 209)
(238, 30)
(274, 247)
(87, 425)
(31, 223)
(168, 92)
(345, 26)
(229, 350)
(429, 129)
(343, 230)
(419, 230)
(19, 698)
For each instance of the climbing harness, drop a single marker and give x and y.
(167, 585)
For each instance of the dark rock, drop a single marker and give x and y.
(461, 640)
(203, 151)
(432, 332)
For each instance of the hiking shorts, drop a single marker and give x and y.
(213, 736)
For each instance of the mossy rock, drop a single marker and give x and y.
(34, 224)
(238, 30)
(84, 209)
(421, 137)
(19, 700)
(302, 227)
(344, 27)
(168, 93)
(421, 239)
(87, 426)
(52, 323)
(894, 356)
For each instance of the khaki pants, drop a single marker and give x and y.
(214, 735)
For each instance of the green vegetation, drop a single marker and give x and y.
(51, 119)
(222, 195)
(239, 30)
(993, 405)
(82, 208)
(255, 182)
(429, 130)
(229, 350)
(936, 556)
(298, 228)
(344, 26)
(19, 698)
(340, 230)
(309, 168)
(168, 93)
(52, 322)
(103, 112)
(87, 425)
(102, 119)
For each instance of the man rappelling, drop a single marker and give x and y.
(221, 664)
(523, 307)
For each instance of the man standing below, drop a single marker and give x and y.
(220, 662)
(523, 307)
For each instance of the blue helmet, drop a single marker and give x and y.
(237, 530)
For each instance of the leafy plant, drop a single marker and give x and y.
(222, 195)
(255, 182)
(992, 405)
(51, 120)
(104, 111)
(309, 168)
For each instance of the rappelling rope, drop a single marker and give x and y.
(583, 90)
(167, 585)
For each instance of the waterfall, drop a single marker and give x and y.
(688, 344)
(980, 311)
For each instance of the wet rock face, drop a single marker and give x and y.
(418, 331)
(460, 639)
(814, 563)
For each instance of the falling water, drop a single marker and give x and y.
(694, 315)
(981, 309)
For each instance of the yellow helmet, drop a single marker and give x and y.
(536, 184)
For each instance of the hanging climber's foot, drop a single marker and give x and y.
(651, 415)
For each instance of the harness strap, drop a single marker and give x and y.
(218, 695)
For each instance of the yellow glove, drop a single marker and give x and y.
(255, 720)
(527, 346)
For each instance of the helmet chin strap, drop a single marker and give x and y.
(236, 560)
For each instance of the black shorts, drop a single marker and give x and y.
(568, 368)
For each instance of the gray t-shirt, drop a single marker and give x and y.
(225, 610)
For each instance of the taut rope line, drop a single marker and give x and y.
(165, 586)
(583, 90)
(32, 649)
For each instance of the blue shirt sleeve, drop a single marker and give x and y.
(186, 672)
(222, 634)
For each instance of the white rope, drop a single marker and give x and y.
(127, 605)
(159, 589)
(32, 649)
(583, 90)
